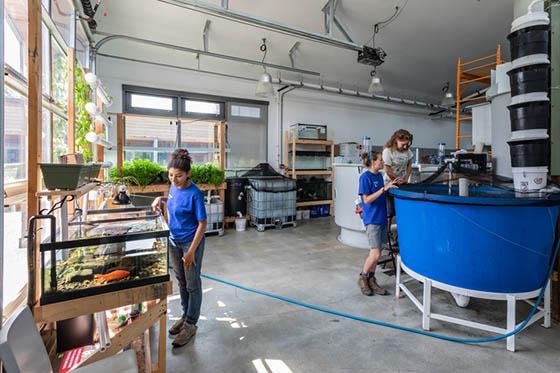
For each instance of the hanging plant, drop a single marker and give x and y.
(84, 122)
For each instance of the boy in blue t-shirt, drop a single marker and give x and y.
(187, 224)
(374, 207)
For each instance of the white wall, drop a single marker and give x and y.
(347, 118)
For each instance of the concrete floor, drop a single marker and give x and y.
(246, 332)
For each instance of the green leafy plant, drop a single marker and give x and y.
(84, 122)
(139, 172)
(207, 174)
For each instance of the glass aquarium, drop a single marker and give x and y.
(107, 250)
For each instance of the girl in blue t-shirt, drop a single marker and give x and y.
(187, 224)
(374, 214)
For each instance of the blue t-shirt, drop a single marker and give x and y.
(375, 212)
(185, 208)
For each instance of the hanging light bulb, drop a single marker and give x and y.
(448, 100)
(264, 85)
(90, 78)
(375, 87)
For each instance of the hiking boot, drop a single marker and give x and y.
(177, 326)
(364, 286)
(372, 282)
(185, 335)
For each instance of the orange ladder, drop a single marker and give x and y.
(474, 74)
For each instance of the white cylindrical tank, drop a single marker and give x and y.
(346, 183)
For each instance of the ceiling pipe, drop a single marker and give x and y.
(109, 37)
(81, 16)
(236, 16)
(293, 83)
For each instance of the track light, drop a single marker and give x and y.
(448, 100)
(375, 87)
(96, 139)
(264, 85)
(95, 112)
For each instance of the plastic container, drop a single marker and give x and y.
(310, 131)
(530, 115)
(540, 133)
(528, 79)
(529, 152)
(349, 149)
(313, 190)
(310, 160)
(236, 196)
(530, 97)
(528, 179)
(240, 224)
(529, 40)
(214, 215)
(444, 237)
(94, 172)
(532, 18)
(64, 176)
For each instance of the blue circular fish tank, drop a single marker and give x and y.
(490, 241)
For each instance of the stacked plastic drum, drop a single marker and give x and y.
(530, 105)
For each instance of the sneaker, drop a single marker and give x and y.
(185, 335)
(372, 282)
(364, 286)
(177, 326)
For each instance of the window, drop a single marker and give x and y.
(15, 35)
(15, 258)
(82, 45)
(59, 68)
(46, 134)
(151, 102)
(202, 109)
(245, 111)
(149, 138)
(60, 139)
(62, 14)
(198, 137)
(46, 60)
(15, 136)
(247, 135)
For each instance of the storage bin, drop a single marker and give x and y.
(64, 176)
(528, 41)
(272, 202)
(319, 211)
(310, 160)
(528, 79)
(313, 190)
(530, 116)
(529, 152)
(304, 131)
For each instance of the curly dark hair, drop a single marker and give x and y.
(180, 159)
(401, 134)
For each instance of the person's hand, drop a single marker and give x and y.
(188, 259)
(399, 180)
(390, 185)
(156, 205)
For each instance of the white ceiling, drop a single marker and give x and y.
(422, 44)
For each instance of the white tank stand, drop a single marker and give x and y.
(511, 299)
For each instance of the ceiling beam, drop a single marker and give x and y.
(236, 16)
(205, 35)
(292, 51)
(329, 11)
(109, 37)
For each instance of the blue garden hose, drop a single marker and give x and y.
(399, 327)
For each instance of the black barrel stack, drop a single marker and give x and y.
(529, 111)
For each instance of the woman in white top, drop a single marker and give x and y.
(397, 157)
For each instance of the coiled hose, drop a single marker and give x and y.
(399, 327)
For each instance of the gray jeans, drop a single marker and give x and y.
(188, 280)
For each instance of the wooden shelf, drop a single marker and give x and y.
(164, 188)
(310, 172)
(63, 193)
(314, 203)
(313, 142)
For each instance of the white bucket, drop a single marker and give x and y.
(527, 179)
(240, 224)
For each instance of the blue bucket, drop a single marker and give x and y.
(490, 241)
